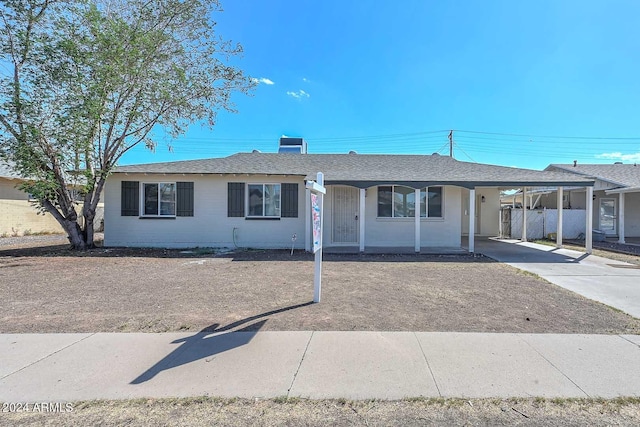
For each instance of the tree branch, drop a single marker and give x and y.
(8, 126)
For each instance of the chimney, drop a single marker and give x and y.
(575, 163)
(292, 145)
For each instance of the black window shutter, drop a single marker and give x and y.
(130, 194)
(289, 201)
(184, 198)
(235, 199)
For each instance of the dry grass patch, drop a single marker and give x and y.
(301, 412)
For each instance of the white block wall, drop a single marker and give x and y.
(445, 232)
(632, 214)
(400, 232)
(210, 226)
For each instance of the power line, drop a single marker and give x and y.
(465, 153)
(467, 141)
(549, 141)
(549, 136)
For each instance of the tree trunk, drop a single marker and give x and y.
(70, 225)
(75, 235)
(89, 215)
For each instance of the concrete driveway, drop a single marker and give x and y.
(611, 282)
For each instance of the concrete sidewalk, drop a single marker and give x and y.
(611, 282)
(353, 365)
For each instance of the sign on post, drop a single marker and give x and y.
(316, 223)
(317, 198)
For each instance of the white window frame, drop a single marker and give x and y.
(248, 203)
(159, 214)
(425, 189)
(393, 193)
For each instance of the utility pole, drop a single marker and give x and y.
(451, 144)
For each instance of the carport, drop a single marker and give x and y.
(560, 194)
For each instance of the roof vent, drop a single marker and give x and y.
(256, 151)
(292, 145)
(617, 163)
(353, 152)
(575, 163)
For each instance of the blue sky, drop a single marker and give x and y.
(522, 83)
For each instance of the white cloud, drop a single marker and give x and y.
(299, 94)
(263, 80)
(634, 157)
(306, 80)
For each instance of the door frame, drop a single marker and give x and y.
(356, 214)
(615, 215)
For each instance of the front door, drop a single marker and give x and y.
(608, 216)
(345, 215)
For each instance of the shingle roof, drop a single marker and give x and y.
(623, 175)
(365, 169)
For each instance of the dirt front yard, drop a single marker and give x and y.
(55, 290)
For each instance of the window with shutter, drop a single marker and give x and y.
(159, 199)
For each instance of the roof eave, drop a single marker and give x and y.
(568, 169)
(623, 190)
(207, 173)
(464, 184)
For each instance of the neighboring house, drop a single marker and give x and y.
(259, 200)
(18, 214)
(616, 196)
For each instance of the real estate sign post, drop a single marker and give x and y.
(317, 219)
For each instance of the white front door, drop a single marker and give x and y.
(608, 216)
(345, 215)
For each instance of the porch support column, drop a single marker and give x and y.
(363, 193)
(307, 220)
(588, 238)
(524, 214)
(560, 209)
(621, 219)
(472, 220)
(416, 214)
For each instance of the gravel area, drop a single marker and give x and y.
(618, 247)
(36, 240)
(40, 242)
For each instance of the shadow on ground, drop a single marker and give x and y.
(202, 344)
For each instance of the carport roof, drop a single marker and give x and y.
(622, 175)
(366, 170)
